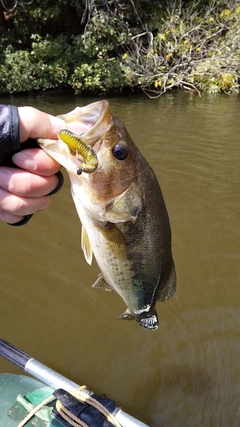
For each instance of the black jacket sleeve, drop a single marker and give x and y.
(10, 143)
(9, 131)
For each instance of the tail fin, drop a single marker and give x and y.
(149, 322)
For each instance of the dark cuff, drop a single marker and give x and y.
(9, 129)
(28, 217)
(60, 183)
(23, 221)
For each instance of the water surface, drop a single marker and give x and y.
(187, 373)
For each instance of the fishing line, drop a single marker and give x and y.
(123, 180)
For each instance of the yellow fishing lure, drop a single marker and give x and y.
(79, 146)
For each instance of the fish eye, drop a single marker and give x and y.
(120, 151)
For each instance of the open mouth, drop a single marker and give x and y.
(74, 147)
(90, 121)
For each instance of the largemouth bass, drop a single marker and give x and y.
(124, 219)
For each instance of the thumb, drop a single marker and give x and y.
(34, 123)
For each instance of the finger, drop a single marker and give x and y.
(21, 206)
(36, 124)
(36, 161)
(10, 218)
(26, 184)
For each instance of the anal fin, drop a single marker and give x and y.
(102, 284)
(126, 316)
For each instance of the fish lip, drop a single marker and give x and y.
(92, 135)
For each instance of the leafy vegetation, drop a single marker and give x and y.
(105, 46)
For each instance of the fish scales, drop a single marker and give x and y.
(123, 213)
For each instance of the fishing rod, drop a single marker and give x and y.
(55, 380)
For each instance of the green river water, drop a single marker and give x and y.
(187, 373)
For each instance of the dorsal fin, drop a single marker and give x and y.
(170, 288)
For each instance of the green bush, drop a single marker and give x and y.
(97, 65)
(102, 75)
(104, 46)
(45, 66)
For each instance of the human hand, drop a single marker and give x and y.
(26, 190)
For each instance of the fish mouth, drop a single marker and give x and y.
(88, 124)
(91, 121)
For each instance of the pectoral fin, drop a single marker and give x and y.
(113, 235)
(101, 284)
(115, 239)
(86, 246)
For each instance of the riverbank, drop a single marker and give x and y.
(175, 46)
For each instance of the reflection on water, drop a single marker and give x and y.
(187, 373)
